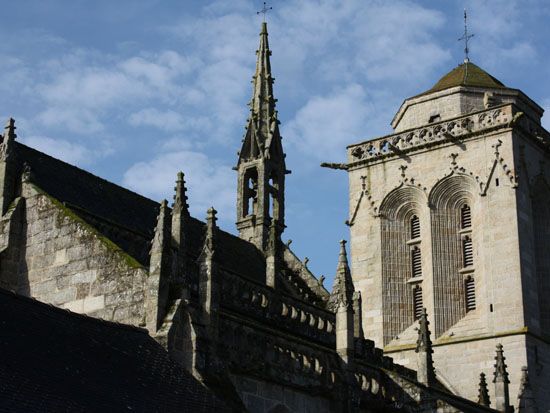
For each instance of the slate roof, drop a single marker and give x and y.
(53, 360)
(466, 74)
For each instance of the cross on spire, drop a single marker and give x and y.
(466, 37)
(264, 10)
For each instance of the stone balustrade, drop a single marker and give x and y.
(277, 309)
(451, 130)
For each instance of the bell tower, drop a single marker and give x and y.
(261, 164)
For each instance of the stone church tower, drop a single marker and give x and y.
(451, 212)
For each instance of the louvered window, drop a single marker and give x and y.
(415, 227)
(416, 262)
(417, 302)
(467, 252)
(470, 291)
(465, 217)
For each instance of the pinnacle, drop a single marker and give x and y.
(9, 129)
(180, 197)
(483, 395)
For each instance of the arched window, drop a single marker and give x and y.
(453, 247)
(250, 192)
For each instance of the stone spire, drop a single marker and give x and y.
(426, 371)
(502, 395)
(483, 395)
(262, 105)
(159, 271)
(341, 302)
(261, 163)
(526, 398)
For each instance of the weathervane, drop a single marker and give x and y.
(466, 37)
(264, 10)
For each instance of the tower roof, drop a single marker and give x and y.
(466, 74)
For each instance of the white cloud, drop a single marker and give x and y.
(210, 182)
(70, 152)
(167, 120)
(326, 124)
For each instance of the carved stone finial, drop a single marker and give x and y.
(7, 140)
(9, 129)
(483, 395)
(210, 227)
(180, 197)
(343, 289)
(502, 395)
(500, 373)
(426, 371)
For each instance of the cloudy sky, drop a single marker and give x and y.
(136, 90)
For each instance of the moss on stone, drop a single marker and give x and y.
(67, 212)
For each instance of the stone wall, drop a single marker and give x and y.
(67, 263)
(263, 397)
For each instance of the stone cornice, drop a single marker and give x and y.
(454, 130)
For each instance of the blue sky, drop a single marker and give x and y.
(136, 90)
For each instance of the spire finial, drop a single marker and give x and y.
(264, 10)
(483, 395)
(466, 37)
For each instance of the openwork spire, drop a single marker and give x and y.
(262, 122)
(483, 395)
(342, 292)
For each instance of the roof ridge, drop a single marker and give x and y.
(88, 173)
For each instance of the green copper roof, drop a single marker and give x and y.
(466, 74)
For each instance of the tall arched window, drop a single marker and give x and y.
(453, 250)
(401, 224)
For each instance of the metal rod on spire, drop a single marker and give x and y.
(264, 10)
(466, 37)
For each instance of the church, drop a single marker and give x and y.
(442, 306)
